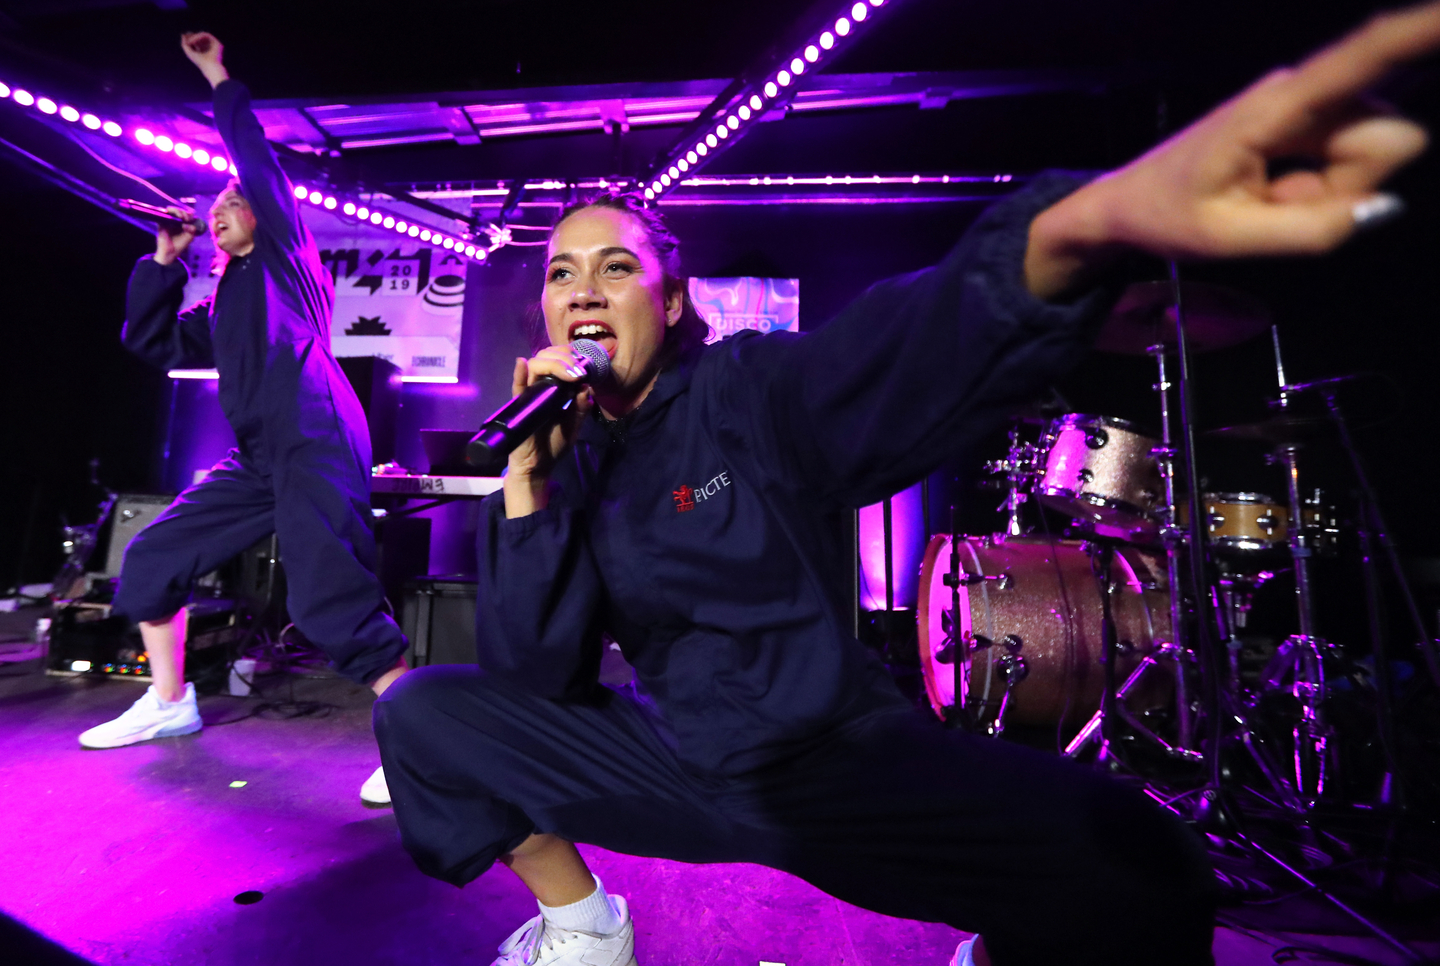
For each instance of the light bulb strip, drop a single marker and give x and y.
(150, 136)
(726, 123)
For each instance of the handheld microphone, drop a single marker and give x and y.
(160, 216)
(538, 407)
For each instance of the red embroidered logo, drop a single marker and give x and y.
(684, 499)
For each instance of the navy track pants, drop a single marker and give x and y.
(1050, 861)
(326, 544)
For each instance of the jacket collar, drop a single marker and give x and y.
(672, 381)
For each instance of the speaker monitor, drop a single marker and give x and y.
(377, 383)
(133, 512)
(440, 620)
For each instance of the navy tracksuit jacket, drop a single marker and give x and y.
(705, 543)
(302, 466)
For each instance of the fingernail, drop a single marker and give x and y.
(1376, 210)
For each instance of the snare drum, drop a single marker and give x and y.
(1039, 602)
(1245, 522)
(1099, 469)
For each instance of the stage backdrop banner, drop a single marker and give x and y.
(395, 297)
(732, 305)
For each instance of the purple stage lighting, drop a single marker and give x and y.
(202, 156)
(449, 243)
(827, 40)
(144, 136)
(425, 235)
(470, 250)
(770, 89)
(164, 143)
(111, 128)
(682, 165)
(183, 150)
(755, 102)
(69, 113)
(400, 226)
(702, 149)
(783, 78)
(219, 163)
(316, 197)
(330, 204)
(378, 219)
(91, 121)
(349, 208)
(4, 89)
(47, 106)
(692, 157)
(300, 190)
(842, 27)
(414, 230)
(24, 98)
(812, 53)
(733, 122)
(363, 214)
(859, 11)
(797, 66)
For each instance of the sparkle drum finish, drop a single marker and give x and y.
(1100, 470)
(1040, 603)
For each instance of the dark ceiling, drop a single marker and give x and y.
(323, 48)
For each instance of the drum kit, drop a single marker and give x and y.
(1125, 630)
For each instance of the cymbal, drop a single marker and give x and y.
(1215, 318)
(1279, 430)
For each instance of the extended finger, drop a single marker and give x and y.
(1360, 156)
(1361, 59)
(520, 378)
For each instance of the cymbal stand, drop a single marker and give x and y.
(1174, 540)
(1299, 662)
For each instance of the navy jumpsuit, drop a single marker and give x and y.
(705, 542)
(302, 466)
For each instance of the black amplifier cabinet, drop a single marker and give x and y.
(439, 619)
(86, 638)
(402, 546)
(133, 512)
(377, 383)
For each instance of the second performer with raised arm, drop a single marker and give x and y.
(302, 466)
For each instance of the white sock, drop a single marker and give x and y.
(593, 914)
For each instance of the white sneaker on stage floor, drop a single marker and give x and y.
(375, 791)
(538, 943)
(147, 718)
(964, 953)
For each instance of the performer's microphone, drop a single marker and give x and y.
(537, 407)
(160, 216)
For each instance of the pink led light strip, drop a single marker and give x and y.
(164, 143)
(753, 103)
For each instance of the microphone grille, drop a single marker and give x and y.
(592, 352)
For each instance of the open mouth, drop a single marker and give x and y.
(596, 331)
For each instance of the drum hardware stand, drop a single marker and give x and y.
(1174, 540)
(1235, 593)
(1021, 468)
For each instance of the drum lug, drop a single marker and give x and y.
(1012, 643)
(1002, 581)
(1012, 670)
(1096, 437)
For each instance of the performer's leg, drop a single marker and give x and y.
(1050, 861)
(164, 641)
(207, 525)
(323, 520)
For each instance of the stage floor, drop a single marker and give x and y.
(136, 856)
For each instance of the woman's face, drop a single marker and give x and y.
(232, 224)
(604, 281)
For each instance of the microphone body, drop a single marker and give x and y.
(160, 216)
(537, 407)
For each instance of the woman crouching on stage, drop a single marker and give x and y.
(765, 732)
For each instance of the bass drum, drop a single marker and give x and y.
(1038, 601)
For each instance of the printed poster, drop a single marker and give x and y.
(732, 305)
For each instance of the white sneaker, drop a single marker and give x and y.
(375, 791)
(537, 943)
(964, 953)
(147, 718)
